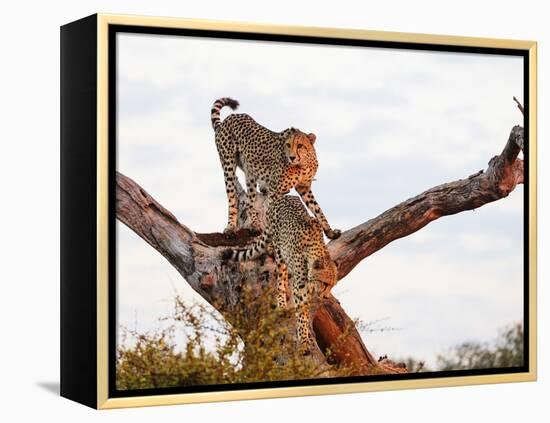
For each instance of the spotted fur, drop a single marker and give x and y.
(297, 240)
(277, 161)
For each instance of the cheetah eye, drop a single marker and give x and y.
(287, 145)
(300, 145)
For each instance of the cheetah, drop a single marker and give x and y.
(277, 161)
(297, 241)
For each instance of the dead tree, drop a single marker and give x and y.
(197, 256)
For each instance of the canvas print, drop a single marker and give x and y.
(300, 212)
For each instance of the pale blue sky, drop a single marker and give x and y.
(389, 124)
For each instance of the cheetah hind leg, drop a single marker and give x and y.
(305, 336)
(282, 283)
(231, 190)
(253, 223)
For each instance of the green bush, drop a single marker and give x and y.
(256, 346)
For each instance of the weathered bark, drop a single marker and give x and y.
(197, 256)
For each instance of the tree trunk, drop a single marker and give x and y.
(197, 256)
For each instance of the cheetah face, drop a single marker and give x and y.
(299, 147)
(325, 273)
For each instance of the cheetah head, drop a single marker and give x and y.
(299, 148)
(325, 273)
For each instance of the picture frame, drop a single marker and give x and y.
(91, 198)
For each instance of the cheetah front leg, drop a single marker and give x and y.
(311, 203)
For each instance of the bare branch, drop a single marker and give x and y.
(504, 172)
(520, 107)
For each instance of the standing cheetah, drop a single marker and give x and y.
(297, 240)
(278, 161)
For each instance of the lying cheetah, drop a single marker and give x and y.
(297, 240)
(278, 161)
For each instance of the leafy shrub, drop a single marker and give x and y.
(256, 346)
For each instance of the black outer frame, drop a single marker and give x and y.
(78, 208)
(79, 211)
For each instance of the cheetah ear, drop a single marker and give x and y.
(312, 137)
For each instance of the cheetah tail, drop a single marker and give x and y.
(251, 252)
(218, 105)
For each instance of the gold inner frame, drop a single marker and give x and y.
(103, 22)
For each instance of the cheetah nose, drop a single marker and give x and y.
(292, 158)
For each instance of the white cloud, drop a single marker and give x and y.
(477, 242)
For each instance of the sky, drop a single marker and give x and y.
(389, 124)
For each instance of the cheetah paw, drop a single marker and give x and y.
(333, 233)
